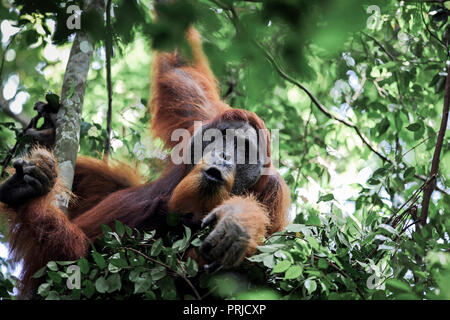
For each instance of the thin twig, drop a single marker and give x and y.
(378, 43)
(393, 58)
(108, 50)
(428, 28)
(320, 106)
(409, 226)
(421, 142)
(11, 153)
(333, 265)
(361, 87)
(305, 151)
(415, 193)
(168, 267)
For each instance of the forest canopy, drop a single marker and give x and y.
(355, 94)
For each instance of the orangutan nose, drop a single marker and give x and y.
(213, 174)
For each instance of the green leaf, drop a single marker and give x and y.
(114, 283)
(101, 285)
(196, 242)
(53, 295)
(44, 289)
(258, 257)
(187, 232)
(322, 263)
(119, 263)
(327, 197)
(158, 273)
(281, 266)
(191, 267)
(293, 272)
(409, 173)
(177, 245)
(128, 231)
(120, 229)
(380, 172)
(88, 288)
(116, 236)
(156, 248)
(313, 220)
(397, 285)
(51, 265)
(40, 273)
(388, 228)
(382, 126)
(113, 269)
(269, 261)
(149, 235)
(143, 283)
(84, 265)
(294, 227)
(134, 275)
(99, 260)
(64, 263)
(313, 242)
(270, 248)
(55, 277)
(310, 285)
(373, 182)
(414, 126)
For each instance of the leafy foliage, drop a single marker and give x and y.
(329, 259)
(130, 264)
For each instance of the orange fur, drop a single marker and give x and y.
(186, 197)
(273, 192)
(251, 215)
(39, 232)
(182, 92)
(95, 179)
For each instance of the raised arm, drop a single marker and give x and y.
(40, 232)
(183, 91)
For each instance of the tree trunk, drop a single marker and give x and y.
(69, 115)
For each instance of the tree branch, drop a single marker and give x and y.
(180, 274)
(108, 50)
(69, 115)
(22, 118)
(332, 264)
(428, 28)
(317, 103)
(378, 43)
(437, 153)
(322, 108)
